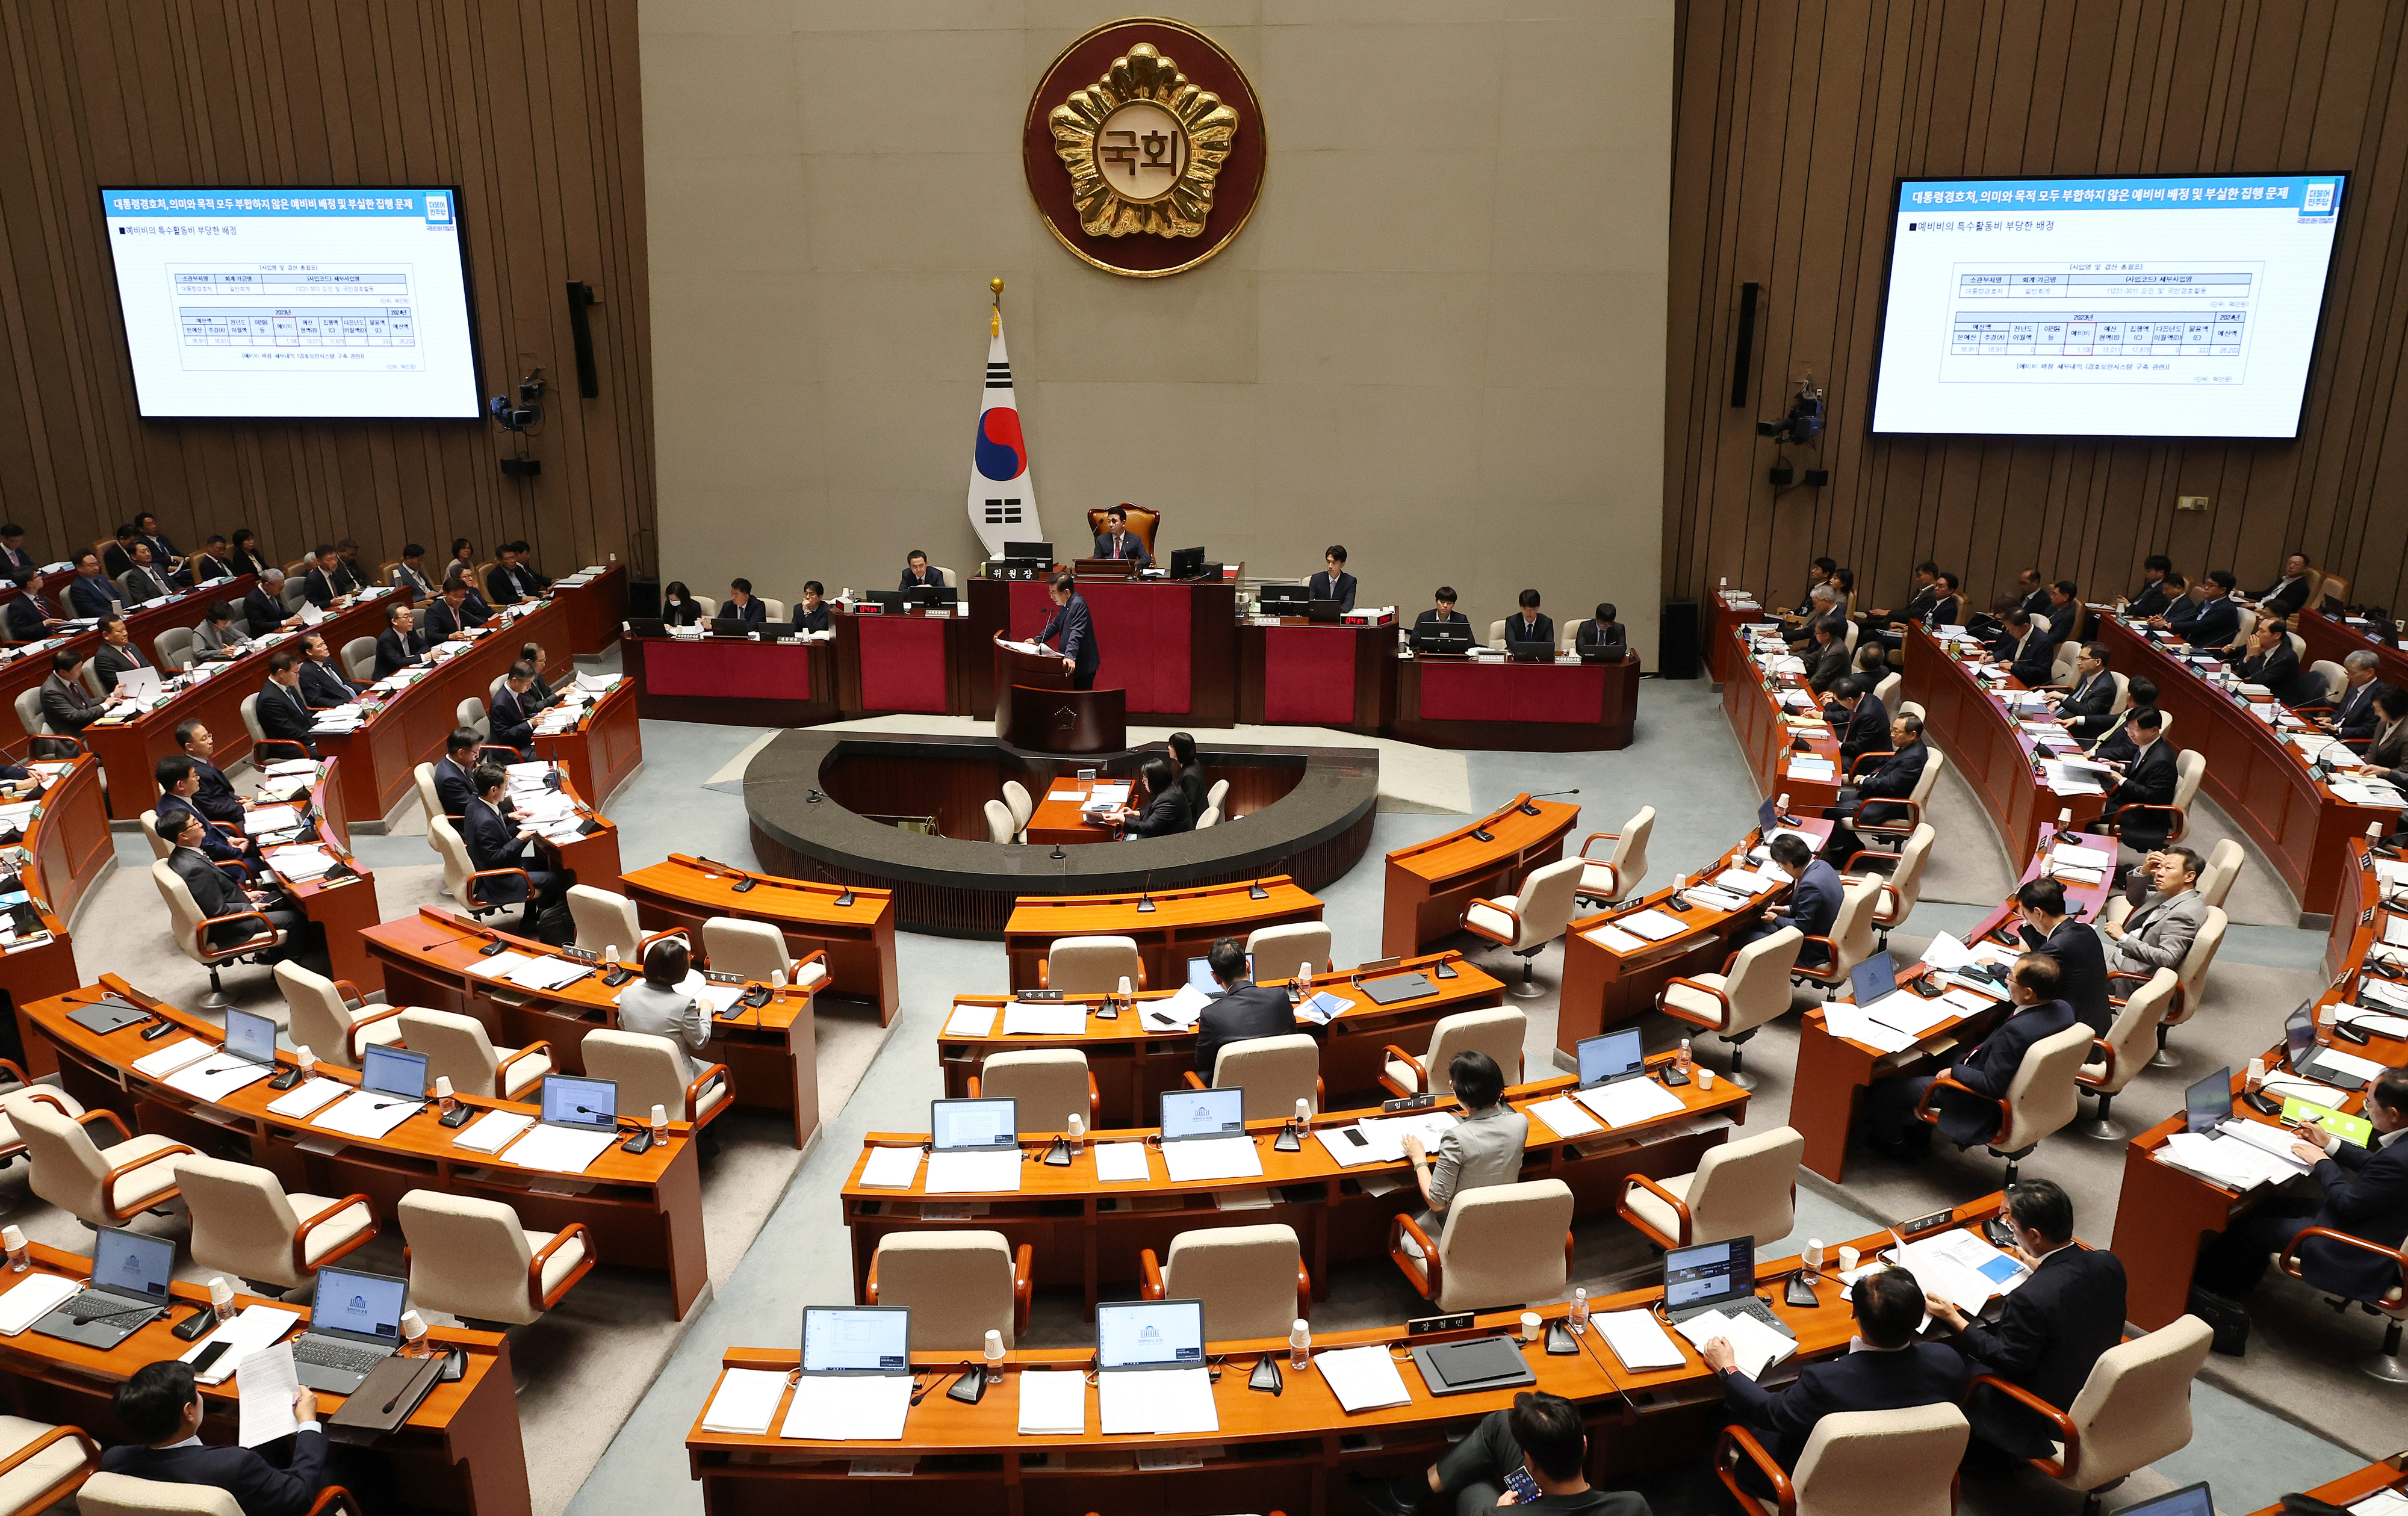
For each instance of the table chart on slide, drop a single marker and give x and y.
(2113, 323)
(249, 315)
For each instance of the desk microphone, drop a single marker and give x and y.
(1529, 810)
(1145, 904)
(842, 900)
(1480, 833)
(1256, 890)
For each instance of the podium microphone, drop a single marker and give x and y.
(1256, 890)
(842, 900)
(1529, 810)
(1145, 895)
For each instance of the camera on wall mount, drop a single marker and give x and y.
(1801, 426)
(519, 419)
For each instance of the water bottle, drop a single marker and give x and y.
(1680, 1059)
(1299, 1346)
(21, 1257)
(660, 1124)
(994, 1357)
(1579, 1318)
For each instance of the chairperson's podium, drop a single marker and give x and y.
(1036, 710)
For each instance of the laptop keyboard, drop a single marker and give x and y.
(325, 1353)
(1754, 1305)
(100, 1306)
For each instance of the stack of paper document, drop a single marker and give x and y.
(1962, 1268)
(500, 965)
(744, 1402)
(1181, 1011)
(1637, 1339)
(2330, 1060)
(1563, 1116)
(174, 1055)
(1630, 1102)
(1844, 1019)
(1164, 1402)
(1614, 939)
(558, 1149)
(982, 1172)
(891, 1168)
(33, 1298)
(1197, 1159)
(1383, 1137)
(849, 1408)
(218, 1076)
(1745, 879)
(1808, 766)
(2066, 778)
(1052, 1403)
(971, 1021)
(306, 1096)
(1905, 1011)
(361, 1114)
(1651, 925)
(1758, 1346)
(1363, 1379)
(343, 718)
(547, 973)
(1022, 1018)
(2379, 1023)
(2366, 793)
(2228, 1161)
(253, 1328)
(302, 863)
(262, 820)
(1118, 1162)
(293, 768)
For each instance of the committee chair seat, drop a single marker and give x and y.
(1017, 801)
(1046, 1087)
(1904, 888)
(2223, 866)
(757, 950)
(2133, 1410)
(421, 778)
(603, 920)
(2191, 987)
(1899, 1463)
(1090, 965)
(651, 1071)
(102, 1186)
(2392, 1305)
(457, 1049)
(1498, 1032)
(471, 1259)
(1917, 803)
(1616, 876)
(332, 1018)
(190, 930)
(1752, 989)
(1497, 1248)
(2124, 1051)
(1851, 941)
(1526, 921)
(1251, 1278)
(245, 1225)
(41, 1463)
(2039, 1100)
(23, 1093)
(1743, 1189)
(959, 1286)
(1275, 1072)
(1276, 951)
(1142, 521)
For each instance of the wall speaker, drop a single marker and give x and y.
(1676, 640)
(580, 295)
(1744, 359)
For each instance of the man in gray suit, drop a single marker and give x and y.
(2159, 934)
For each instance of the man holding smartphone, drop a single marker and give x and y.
(1534, 1454)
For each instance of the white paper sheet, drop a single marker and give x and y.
(851, 1408)
(265, 818)
(1745, 879)
(1122, 1163)
(548, 973)
(558, 1149)
(218, 1076)
(1630, 1102)
(1052, 1403)
(267, 1380)
(174, 1055)
(1363, 1379)
(493, 1131)
(361, 1114)
(500, 963)
(1903, 1010)
(971, 1021)
(1614, 939)
(1844, 1019)
(33, 1298)
(1044, 1019)
(2378, 1023)
(745, 1402)
(1180, 1009)
(1962, 1268)
(973, 1173)
(253, 1328)
(1564, 1116)
(1199, 1159)
(891, 1168)
(1386, 1135)
(2337, 1062)
(1638, 1339)
(1162, 1401)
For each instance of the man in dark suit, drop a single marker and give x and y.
(455, 782)
(477, 611)
(90, 593)
(1887, 1369)
(160, 1407)
(214, 561)
(1542, 1436)
(508, 719)
(118, 556)
(2217, 622)
(2354, 717)
(2148, 780)
(2081, 960)
(1442, 613)
(2084, 708)
(349, 577)
(67, 706)
(169, 563)
(1117, 542)
(411, 573)
(325, 683)
(523, 565)
(397, 646)
(2050, 1329)
(2024, 647)
(2116, 744)
(319, 586)
(741, 604)
(215, 892)
(2152, 597)
(1242, 1010)
(32, 615)
(2032, 592)
(1859, 718)
(2272, 664)
(495, 841)
(1893, 780)
(1827, 659)
(1919, 600)
(2365, 1194)
(13, 554)
(1529, 625)
(145, 581)
(1602, 636)
(2064, 610)
(1166, 810)
(1988, 1071)
(2289, 594)
(1333, 583)
(262, 609)
(1813, 899)
(283, 709)
(116, 655)
(506, 584)
(810, 612)
(451, 617)
(213, 797)
(917, 575)
(180, 782)
(1077, 629)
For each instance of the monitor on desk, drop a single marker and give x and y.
(1610, 1056)
(393, 1071)
(1284, 599)
(1150, 1333)
(1325, 610)
(731, 626)
(1519, 651)
(856, 1340)
(936, 597)
(1873, 979)
(252, 1038)
(582, 1104)
(2190, 1500)
(1041, 552)
(889, 601)
(647, 626)
(1186, 563)
(2208, 1102)
(1199, 974)
(1445, 639)
(1203, 1113)
(973, 1125)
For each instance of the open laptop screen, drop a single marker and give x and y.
(2190, 1500)
(1873, 979)
(1610, 1055)
(361, 1305)
(131, 1263)
(856, 1340)
(391, 1071)
(1199, 974)
(1709, 1272)
(2208, 1102)
(973, 1124)
(1191, 1113)
(1150, 1333)
(570, 1101)
(250, 1037)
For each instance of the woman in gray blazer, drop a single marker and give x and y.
(1484, 1147)
(655, 1006)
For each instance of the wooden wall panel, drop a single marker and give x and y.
(531, 107)
(1792, 120)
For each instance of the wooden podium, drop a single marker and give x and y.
(1036, 710)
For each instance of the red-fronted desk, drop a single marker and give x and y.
(1565, 707)
(911, 661)
(731, 680)
(1300, 673)
(1171, 645)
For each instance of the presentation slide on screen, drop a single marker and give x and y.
(293, 303)
(2144, 307)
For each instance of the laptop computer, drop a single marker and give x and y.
(128, 1291)
(1199, 974)
(647, 626)
(1873, 979)
(1285, 599)
(2190, 1500)
(1611, 1057)
(1190, 1114)
(730, 626)
(1325, 610)
(1716, 1276)
(1519, 651)
(585, 1104)
(1139, 1334)
(393, 1071)
(2208, 1102)
(854, 1340)
(250, 1037)
(1442, 638)
(1768, 816)
(354, 1325)
(973, 1145)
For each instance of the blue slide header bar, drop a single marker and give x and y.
(2273, 191)
(418, 205)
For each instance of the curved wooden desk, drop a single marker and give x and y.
(2355, 1486)
(645, 1210)
(1767, 737)
(430, 959)
(1287, 1451)
(2332, 638)
(1133, 1062)
(604, 749)
(1088, 1232)
(26, 666)
(1987, 744)
(1429, 883)
(1184, 923)
(460, 1450)
(64, 851)
(344, 906)
(680, 892)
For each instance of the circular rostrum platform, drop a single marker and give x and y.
(852, 804)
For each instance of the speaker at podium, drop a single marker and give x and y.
(1036, 711)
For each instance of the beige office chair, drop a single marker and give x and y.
(2391, 1304)
(1497, 1248)
(1047, 1086)
(1905, 887)
(190, 930)
(650, 1071)
(2335, 677)
(998, 822)
(1911, 708)
(471, 1259)
(421, 778)
(332, 1018)
(29, 712)
(359, 656)
(1275, 1072)
(1090, 965)
(2248, 625)
(1851, 935)
(776, 609)
(2190, 989)
(1742, 1189)
(103, 1186)
(1886, 691)
(25, 1092)
(1496, 1032)
(1210, 818)
(1526, 921)
(1017, 801)
(1216, 795)
(473, 714)
(1753, 989)
(457, 1048)
(41, 1465)
(2217, 875)
(2133, 1410)
(959, 1286)
(173, 648)
(1919, 801)
(1616, 876)
(1899, 1463)
(605, 919)
(707, 605)
(1251, 1278)
(2039, 1100)
(245, 1225)
(1497, 632)
(462, 880)
(2124, 1051)
(2067, 664)
(1277, 952)
(160, 847)
(757, 950)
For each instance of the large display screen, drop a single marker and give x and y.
(2153, 306)
(296, 303)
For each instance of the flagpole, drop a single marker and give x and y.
(994, 323)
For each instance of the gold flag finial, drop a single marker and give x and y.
(994, 321)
